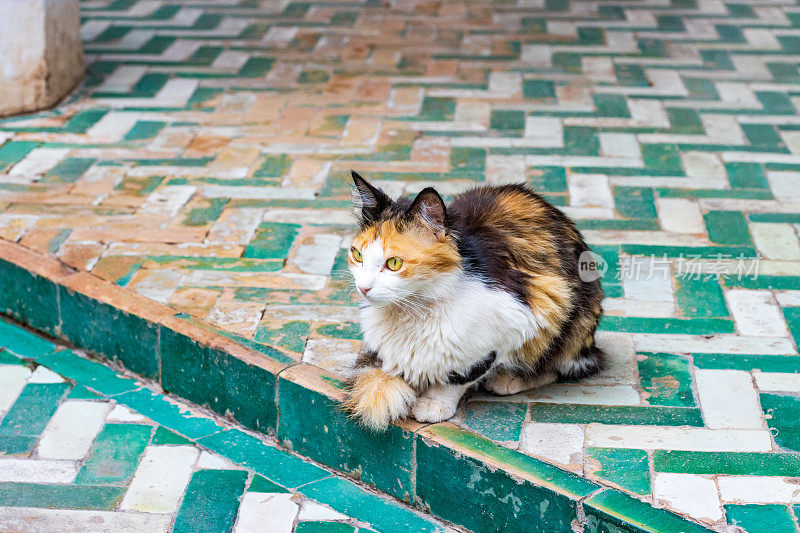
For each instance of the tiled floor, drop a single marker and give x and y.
(202, 165)
(85, 449)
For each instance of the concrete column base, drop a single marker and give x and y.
(41, 54)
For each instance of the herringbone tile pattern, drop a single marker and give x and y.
(202, 165)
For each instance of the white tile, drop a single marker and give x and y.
(688, 493)
(561, 443)
(776, 241)
(620, 358)
(317, 255)
(160, 479)
(777, 381)
(120, 413)
(680, 215)
(37, 471)
(215, 462)
(785, 186)
(257, 509)
(678, 438)
(619, 145)
(703, 165)
(728, 399)
(12, 380)
(544, 132)
(69, 434)
(758, 489)
(638, 308)
(167, 200)
(31, 519)
(756, 313)
(334, 355)
(645, 278)
(45, 375)
(589, 190)
(312, 511)
(502, 169)
(651, 342)
(576, 393)
(788, 298)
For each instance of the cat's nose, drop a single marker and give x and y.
(364, 290)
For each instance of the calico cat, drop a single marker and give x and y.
(484, 291)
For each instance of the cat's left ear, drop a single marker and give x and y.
(429, 206)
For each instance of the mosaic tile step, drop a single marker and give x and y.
(75, 459)
(201, 166)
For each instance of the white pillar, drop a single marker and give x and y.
(41, 55)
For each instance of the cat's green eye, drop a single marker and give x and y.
(356, 254)
(394, 263)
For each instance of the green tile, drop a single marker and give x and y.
(764, 363)
(662, 158)
(218, 380)
(163, 436)
(290, 335)
(499, 421)
(507, 120)
(446, 478)
(792, 316)
(274, 464)
(22, 342)
(467, 158)
(349, 499)
(746, 175)
(343, 330)
(79, 392)
(730, 463)
(262, 484)
(144, 129)
(666, 379)
(8, 358)
(69, 169)
(761, 518)
(200, 216)
(616, 414)
(60, 496)
(104, 329)
(612, 511)
(272, 240)
(634, 202)
(29, 298)
(686, 326)
(316, 426)
(15, 151)
(700, 296)
(87, 373)
(10, 445)
(708, 252)
(627, 468)
(158, 409)
(538, 89)
(211, 501)
(323, 527)
(727, 227)
(763, 282)
(783, 419)
(32, 411)
(114, 455)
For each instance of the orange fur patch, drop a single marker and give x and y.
(424, 254)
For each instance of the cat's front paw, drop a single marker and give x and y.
(434, 409)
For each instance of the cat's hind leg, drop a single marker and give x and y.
(438, 403)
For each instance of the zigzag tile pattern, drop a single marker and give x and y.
(202, 165)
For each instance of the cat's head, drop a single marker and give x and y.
(402, 249)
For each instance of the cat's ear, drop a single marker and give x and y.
(429, 206)
(368, 201)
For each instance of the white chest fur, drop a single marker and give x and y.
(450, 334)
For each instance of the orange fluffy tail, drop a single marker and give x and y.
(377, 399)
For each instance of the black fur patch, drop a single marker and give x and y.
(474, 373)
